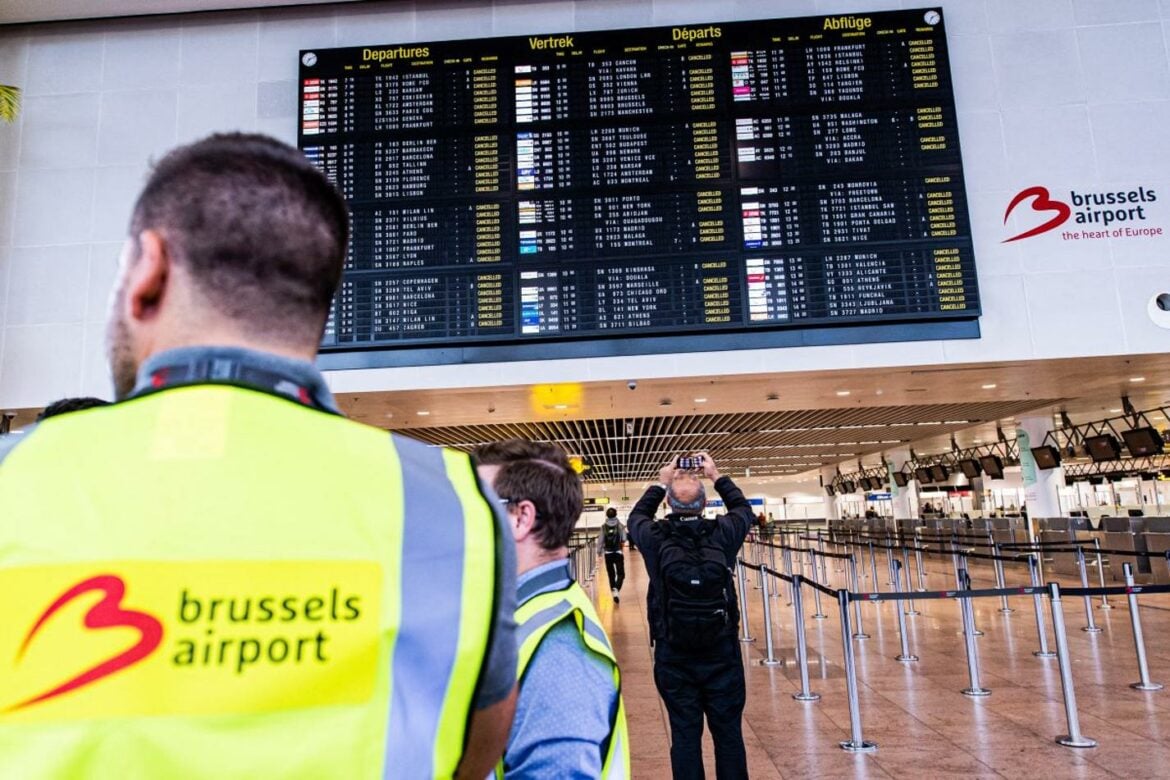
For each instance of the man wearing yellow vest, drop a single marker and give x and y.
(570, 720)
(219, 576)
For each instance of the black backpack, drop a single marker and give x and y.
(698, 597)
(612, 541)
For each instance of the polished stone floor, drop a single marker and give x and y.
(923, 725)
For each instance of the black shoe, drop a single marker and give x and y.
(617, 599)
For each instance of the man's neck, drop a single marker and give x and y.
(530, 556)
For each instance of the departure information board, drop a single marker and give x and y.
(747, 176)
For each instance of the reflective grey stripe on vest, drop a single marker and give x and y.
(432, 569)
(551, 615)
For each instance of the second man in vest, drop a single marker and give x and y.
(570, 720)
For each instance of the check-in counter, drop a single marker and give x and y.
(1157, 537)
(1125, 533)
(1064, 530)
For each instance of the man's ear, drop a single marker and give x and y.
(148, 277)
(524, 521)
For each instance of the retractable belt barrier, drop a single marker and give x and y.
(964, 594)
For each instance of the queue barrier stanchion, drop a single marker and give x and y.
(873, 568)
(770, 659)
(801, 647)
(1074, 737)
(963, 582)
(1038, 603)
(856, 742)
(920, 566)
(820, 614)
(745, 632)
(772, 563)
(910, 609)
(756, 561)
(1135, 619)
(1101, 573)
(905, 655)
(1000, 582)
(967, 612)
(1091, 627)
(786, 556)
(860, 632)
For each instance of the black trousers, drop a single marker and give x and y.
(615, 568)
(693, 688)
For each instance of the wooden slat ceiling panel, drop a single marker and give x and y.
(770, 443)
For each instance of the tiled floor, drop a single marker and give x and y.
(922, 724)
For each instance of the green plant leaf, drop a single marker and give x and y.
(9, 102)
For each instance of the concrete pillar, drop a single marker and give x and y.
(905, 499)
(832, 512)
(1041, 486)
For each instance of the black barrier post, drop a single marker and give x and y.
(910, 610)
(745, 632)
(860, 632)
(856, 743)
(1139, 642)
(966, 610)
(801, 647)
(1092, 627)
(1037, 602)
(905, 655)
(1074, 737)
(771, 659)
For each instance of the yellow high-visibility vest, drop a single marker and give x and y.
(534, 619)
(211, 581)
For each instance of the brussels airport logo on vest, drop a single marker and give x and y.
(156, 638)
(1095, 215)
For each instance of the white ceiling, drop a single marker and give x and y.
(24, 11)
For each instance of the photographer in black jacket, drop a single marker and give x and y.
(693, 613)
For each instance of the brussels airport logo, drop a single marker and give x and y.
(149, 637)
(107, 613)
(1096, 215)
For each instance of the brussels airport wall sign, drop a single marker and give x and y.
(725, 185)
(1086, 215)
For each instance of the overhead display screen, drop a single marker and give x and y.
(718, 178)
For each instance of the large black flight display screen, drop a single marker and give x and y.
(744, 177)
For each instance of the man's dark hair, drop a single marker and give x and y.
(262, 232)
(539, 473)
(611, 512)
(67, 405)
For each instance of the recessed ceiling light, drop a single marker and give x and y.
(422, 413)
(1114, 411)
(561, 406)
(700, 400)
(1137, 379)
(842, 393)
(990, 386)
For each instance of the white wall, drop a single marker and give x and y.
(1070, 94)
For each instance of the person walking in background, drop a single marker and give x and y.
(570, 720)
(694, 616)
(613, 534)
(291, 594)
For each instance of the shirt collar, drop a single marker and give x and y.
(542, 579)
(297, 380)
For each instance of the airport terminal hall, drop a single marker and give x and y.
(568, 389)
